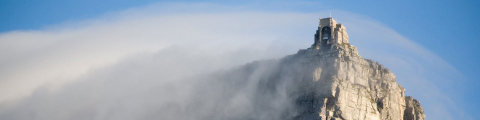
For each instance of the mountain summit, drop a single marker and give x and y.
(339, 84)
(328, 81)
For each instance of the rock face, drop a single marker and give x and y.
(328, 81)
(339, 84)
(414, 110)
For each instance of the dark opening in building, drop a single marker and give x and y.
(326, 34)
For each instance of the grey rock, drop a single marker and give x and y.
(346, 86)
(413, 110)
(328, 81)
(337, 83)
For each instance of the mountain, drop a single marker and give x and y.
(328, 81)
(340, 84)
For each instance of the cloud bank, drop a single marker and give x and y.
(136, 63)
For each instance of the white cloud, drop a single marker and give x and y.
(122, 57)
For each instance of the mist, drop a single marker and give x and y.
(168, 61)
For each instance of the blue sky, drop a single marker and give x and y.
(433, 24)
(449, 29)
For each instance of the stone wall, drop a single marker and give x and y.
(338, 34)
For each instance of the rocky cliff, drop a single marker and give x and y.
(330, 83)
(343, 85)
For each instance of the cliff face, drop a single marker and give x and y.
(335, 83)
(413, 110)
(343, 85)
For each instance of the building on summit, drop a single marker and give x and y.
(329, 32)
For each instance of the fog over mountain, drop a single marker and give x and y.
(169, 61)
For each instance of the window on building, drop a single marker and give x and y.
(326, 34)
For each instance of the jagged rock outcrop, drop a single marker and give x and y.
(335, 83)
(345, 86)
(413, 110)
(328, 81)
